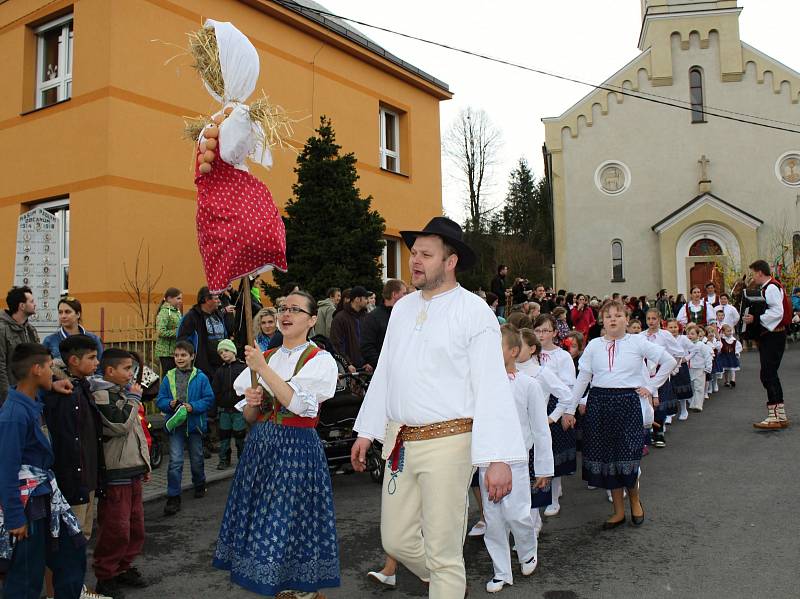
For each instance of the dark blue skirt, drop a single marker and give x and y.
(539, 497)
(682, 383)
(279, 529)
(715, 366)
(728, 361)
(564, 448)
(667, 402)
(612, 438)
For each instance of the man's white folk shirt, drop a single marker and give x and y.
(442, 359)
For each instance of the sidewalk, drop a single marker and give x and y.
(157, 487)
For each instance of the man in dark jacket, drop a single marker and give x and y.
(498, 287)
(204, 326)
(375, 323)
(346, 328)
(15, 328)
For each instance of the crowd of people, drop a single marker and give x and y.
(521, 389)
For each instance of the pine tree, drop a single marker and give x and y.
(519, 216)
(333, 237)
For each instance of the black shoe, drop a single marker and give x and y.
(110, 588)
(131, 578)
(199, 492)
(733, 383)
(173, 505)
(608, 524)
(223, 465)
(659, 440)
(638, 520)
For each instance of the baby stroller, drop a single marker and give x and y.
(338, 415)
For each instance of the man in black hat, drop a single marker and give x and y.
(440, 400)
(346, 328)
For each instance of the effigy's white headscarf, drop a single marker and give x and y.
(239, 137)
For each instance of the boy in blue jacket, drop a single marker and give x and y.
(28, 495)
(185, 397)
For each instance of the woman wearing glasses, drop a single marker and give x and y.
(278, 534)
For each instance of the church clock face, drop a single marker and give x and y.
(787, 169)
(612, 178)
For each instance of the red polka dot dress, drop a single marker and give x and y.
(239, 228)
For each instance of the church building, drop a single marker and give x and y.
(656, 182)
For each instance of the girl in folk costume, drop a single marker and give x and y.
(278, 533)
(667, 403)
(612, 443)
(681, 380)
(513, 513)
(696, 311)
(559, 362)
(729, 355)
(699, 360)
(552, 386)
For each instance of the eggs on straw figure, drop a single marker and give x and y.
(239, 228)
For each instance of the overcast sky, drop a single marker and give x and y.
(584, 39)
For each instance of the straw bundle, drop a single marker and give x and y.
(193, 126)
(203, 49)
(275, 122)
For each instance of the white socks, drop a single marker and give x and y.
(684, 412)
(556, 487)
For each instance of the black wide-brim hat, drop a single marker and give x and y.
(451, 233)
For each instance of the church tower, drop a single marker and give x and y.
(663, 19)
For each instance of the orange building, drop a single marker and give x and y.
(91, 126)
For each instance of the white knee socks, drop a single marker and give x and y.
(556, 487)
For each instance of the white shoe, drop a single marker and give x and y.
(552, 510)
(478, 530)
(85, 594)
(495, 586)
(529, 566)
(381, 578)
(591, 488)
(668, 420)
(684, 415)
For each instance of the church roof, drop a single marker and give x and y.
(705, 199)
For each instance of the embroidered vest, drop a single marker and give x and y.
(273, 410)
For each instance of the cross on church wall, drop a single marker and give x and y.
(704, 162)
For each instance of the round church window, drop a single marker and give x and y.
(787, 169)
(612, 178)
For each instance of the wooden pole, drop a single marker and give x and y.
(247, 304)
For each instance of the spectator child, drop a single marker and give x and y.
(26, 542)
(185, 397)
(562, 326)
(120, 511)
(231, 420)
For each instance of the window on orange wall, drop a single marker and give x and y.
(54, 61)
(617, 271)
(391, 259)
(390, 139)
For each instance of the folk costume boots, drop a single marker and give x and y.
(776, 418)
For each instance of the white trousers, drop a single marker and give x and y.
(429, 499)
(698, 376)
(511, 514)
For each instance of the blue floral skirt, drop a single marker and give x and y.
(612, 438)
(682, 383)
(667, 402)
(539, 497)
(564, 447)
(279, 529)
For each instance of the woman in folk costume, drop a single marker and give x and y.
(612, 430)
(561, 411)
(696, 310)
(667, 400)
(278, 533)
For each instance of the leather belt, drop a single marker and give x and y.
(437, 430)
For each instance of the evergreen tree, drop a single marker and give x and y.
(333, 238)
(518, 216)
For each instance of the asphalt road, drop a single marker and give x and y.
(720, 502)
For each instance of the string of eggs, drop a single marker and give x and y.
(206, 154)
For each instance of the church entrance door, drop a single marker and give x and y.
(704, 272)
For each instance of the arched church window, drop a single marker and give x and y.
(705, 247)
(617, 271)
(696, 95)
(796, 247)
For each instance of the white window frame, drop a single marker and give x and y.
(385, 259)
(58, 208)
(63, 82)
(386, 153)
(621, 278)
